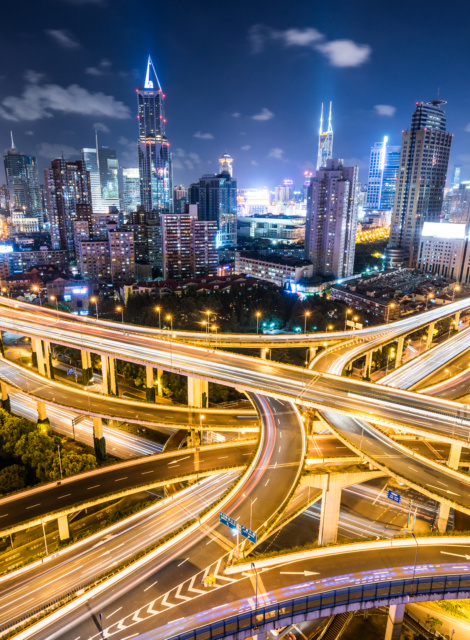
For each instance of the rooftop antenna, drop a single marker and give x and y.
(12, 143)
(329, 119)
(97, 155)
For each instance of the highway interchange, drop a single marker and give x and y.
(270, 380)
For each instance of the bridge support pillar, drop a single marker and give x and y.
(5, 400)
(312, 352)
(264, 353)
(394, 621)
(43, 420)
(443, 517)
(64, 530)
(159, 382)
(44, 358)
(329, 518)
(87, 369)
(149, 384)
(108, 369)
(198, 393)
(2, 348)
(457, 319)
(99, 439)
(430, 335)
(399, 356)
(454, 456)
(368, 365)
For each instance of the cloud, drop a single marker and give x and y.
(254, 163)
(277, 153)
(339, 53)
(41, 101)
(203, 136)
(33, 76)
(263, 115)
(29, 133)
(467, 128)
(246, 147)
(100, 70)
(385, 110)
(236, 114)
(52, 151)
(345, 53)
(100, 126)
(182, 159)
(64, 38)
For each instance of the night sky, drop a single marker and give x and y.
(245, 77)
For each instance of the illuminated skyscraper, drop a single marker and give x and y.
(421, 180)
(155, 170)
(383, 172)
(325, 141)
(23, 182)
(456, 173)
(130, 190)
(102, 165)
(225, 164)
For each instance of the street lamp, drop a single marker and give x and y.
(307, 315)
(256, 592)
(390, 306)
(251, 508)
(170, 318)
(52, 299)
(201, 418)
(44, 534)
(37, 290)
(456, 288)
(159, 317)
(121, 309)
(428, 298)
(348, 311)
(95, 301)
(258, 316)
(416, 558)
(355, 319)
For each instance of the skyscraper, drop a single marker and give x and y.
(217, 200)
(383, 172)
(155, 170)
(330, 233)
(325, 141)
(456, 173)
(102, 165)
(130, 190)
(23, 182)
(424, 159)
(225, 164)
(67, 185)
(180, 199)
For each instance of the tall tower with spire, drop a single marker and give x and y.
(155, 171)
(325, 141)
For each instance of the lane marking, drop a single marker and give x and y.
(64, 496)
(93, 487)
(150, 586)
(34, 505)
(119, 479)
(111, 614)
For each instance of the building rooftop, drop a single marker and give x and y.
(288, 261)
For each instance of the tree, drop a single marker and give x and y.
(433, 623)
(12, 478)
(73, 463)
(37, 450)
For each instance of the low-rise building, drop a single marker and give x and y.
(281, 271)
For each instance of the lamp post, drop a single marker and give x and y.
(348, 311)
(390, 306)
(428, 298)
(416, 558)
(60, 461)
(159, 310)
(258, 316)
(355, 319)
(214, 328)
(256, 591)
(95, 301)
(251, 507)
(307, 315)
(37, 290)
(456, 288)
(121, 309)
(170, 318)
(52, 299)
(44, 534)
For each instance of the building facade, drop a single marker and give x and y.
(155, 171)
(217, 201)
(424, 160)
(23, 183)
(276, 269)
(325, 141)
(443, 250)
(130, 190)
(383, 172)
(330, 233)
(102, 166)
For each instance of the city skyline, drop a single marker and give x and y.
(53, 100)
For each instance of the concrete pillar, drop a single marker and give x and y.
(87, 369)
(312, 352)
(108, 370)
(430, 335)
(198, 393)
(394, 621)
(454, 456)
(43, 420)
(159, 382)
(368, 366)
(149, 384)
(457, 319)
(44, 357)
(34, 355)
(264, 353)
(99, 441)
(64, 530)
(2, 349)
(399, 355)
(330, 506)
(443, 517)
(5, 400)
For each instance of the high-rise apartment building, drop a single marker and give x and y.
(217, 200)
(121, 255)
(102, 165)
(180, 199)
(330, 234)
(383, 173)
(23, 183)
(459, 210)
(189, 245)
(67, 186)
(456, 175)
(155, 170)
(421, 180)
(325, 141)
(130, 190)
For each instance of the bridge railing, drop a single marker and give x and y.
(305, 606)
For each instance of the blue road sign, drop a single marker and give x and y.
(227, 520)
(70, 371)
(249, 534)
(392, 495)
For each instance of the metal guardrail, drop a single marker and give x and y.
(285, 612)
